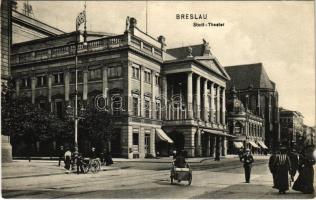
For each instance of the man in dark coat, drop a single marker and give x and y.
(61, 153)
(247, 159)
(282, 168)
(273, 169)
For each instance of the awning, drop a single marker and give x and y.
(253, 144)
(238, 145)
(163, 136)
(216, 132)
(262, 144)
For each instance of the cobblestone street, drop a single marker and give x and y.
(223, 179)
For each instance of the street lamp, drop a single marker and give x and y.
(81, 18)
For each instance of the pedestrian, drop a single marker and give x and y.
(79, 162)
(108, 158)
(273, 169)
(61, 153)
(247, 159)
(67, 158)
(282, 167)
(304, 182)
(240, 153)
(294, 160)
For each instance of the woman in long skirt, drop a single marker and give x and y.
(304, 182)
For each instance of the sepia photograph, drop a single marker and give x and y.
(158, 99)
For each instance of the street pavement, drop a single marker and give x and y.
(142, 179)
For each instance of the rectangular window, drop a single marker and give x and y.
(26, 83)
(135, 73)
(157, 80)
(95, 74)
(41, 81)
(158, 110)
(59, 79)
(147, 76)
(135, 106)
(147, 108)
(73, 77)
(135, 138)
(59, 109)
(115, 72)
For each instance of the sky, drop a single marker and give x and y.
(279, 34)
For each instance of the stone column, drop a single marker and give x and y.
(206, 103)
(33, 83)
(105, 86)
(218, 115)
(199, 147)
(128, 87)
(212, 103)
(224, 146)
(214, 146)
(153, 95)
(152, 142)
(141, 142)
(49, 86)
(85, 85)
(198, 97)
(66, 87)
(208, 146)
(223, 106)
(164, 97)
(127, 141)
(17, 87)
(142, 79)
(189, 96)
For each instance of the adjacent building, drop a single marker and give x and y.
(292, 128)
(161, 99)
(246, 127)
(259, 95)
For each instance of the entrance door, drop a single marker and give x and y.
(147, 144)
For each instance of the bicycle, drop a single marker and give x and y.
(93, 165)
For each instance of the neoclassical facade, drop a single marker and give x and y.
(161, 99)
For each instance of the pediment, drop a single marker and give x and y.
(213, 64)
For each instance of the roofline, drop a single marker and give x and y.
(38, 21)
(241, 65)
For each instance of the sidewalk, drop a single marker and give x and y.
(190, 160)
(35, 168)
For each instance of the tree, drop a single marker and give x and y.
(97, 127)
(23, 120)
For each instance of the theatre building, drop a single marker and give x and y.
(168, 98)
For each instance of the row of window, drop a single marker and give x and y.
(147, 75)
(136, 108)
(94, 74)
(58, 78)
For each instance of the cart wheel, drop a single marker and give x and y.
(171, 179)
(190, 179)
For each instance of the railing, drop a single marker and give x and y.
(66, 50)
(94, 45)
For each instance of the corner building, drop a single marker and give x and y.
(161, 99)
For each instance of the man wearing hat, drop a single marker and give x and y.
(247, 159)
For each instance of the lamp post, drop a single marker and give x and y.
(81, 18)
